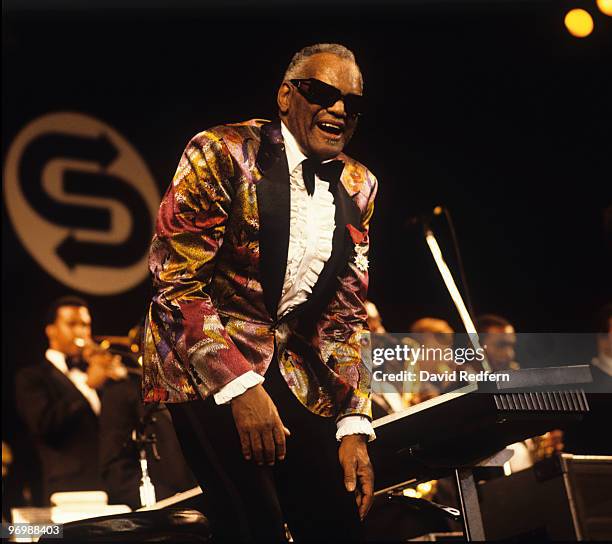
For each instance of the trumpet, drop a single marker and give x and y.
(115, 370)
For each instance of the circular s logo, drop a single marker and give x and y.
(82, 202)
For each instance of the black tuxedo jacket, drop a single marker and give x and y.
(63, 426)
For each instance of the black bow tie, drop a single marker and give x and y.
(76, 362)
(328, 171)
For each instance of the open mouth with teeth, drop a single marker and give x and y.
(330, 129)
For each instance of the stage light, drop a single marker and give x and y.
(424, 488)
(412, 493)
(605, 6)
(579, 23)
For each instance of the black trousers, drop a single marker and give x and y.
(250, 503)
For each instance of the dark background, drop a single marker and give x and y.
(490, 108)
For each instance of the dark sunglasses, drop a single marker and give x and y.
(317, 92)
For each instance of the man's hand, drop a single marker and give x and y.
(358, 472)
(102, 365)
(261, 431)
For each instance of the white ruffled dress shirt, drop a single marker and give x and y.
(76, 376)
(311, 231)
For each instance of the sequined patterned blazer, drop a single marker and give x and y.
(218, 260)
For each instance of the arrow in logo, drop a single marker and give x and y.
(74, 252)
(99, 150)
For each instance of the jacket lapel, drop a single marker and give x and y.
(273, 202)
(67, 388)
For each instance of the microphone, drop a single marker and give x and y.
(424, 218)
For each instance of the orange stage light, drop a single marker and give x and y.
(579, 23)
(605, 6)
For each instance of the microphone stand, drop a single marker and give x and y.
(141, 439)
(451, 286)
(466, 485)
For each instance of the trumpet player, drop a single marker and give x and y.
(59, 402)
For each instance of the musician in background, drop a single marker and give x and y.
(601, 366)
(375, 323)
(7, 460)
(428, 332)
(382, 402)
(592, 436)
(433, 334)
(498, 338)
(123, 413)
(58, 398)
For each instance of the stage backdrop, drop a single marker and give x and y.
(491, 109)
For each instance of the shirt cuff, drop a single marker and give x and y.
(356, 424)
(237, 386)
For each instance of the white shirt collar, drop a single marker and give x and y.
(292, 149)
(76, 376)
(57, 359)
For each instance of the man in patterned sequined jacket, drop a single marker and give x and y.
(257, 322)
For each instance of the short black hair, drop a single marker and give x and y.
(69, 300)
(485, 322)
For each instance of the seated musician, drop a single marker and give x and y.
(435, 335)
(601, 365)
(428, 332)
(498, 338)
(591, 436)
(387, 401)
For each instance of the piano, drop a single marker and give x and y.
(454, 432)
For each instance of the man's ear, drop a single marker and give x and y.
(50, 331)
(283, 98)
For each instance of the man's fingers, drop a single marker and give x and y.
(245, 445)
(269, 447)
(257, 447)
(261, 431)
(358, 499)
(366, 485)
(365, 504)
(279, 441)
(350, 477)
(366, 481)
